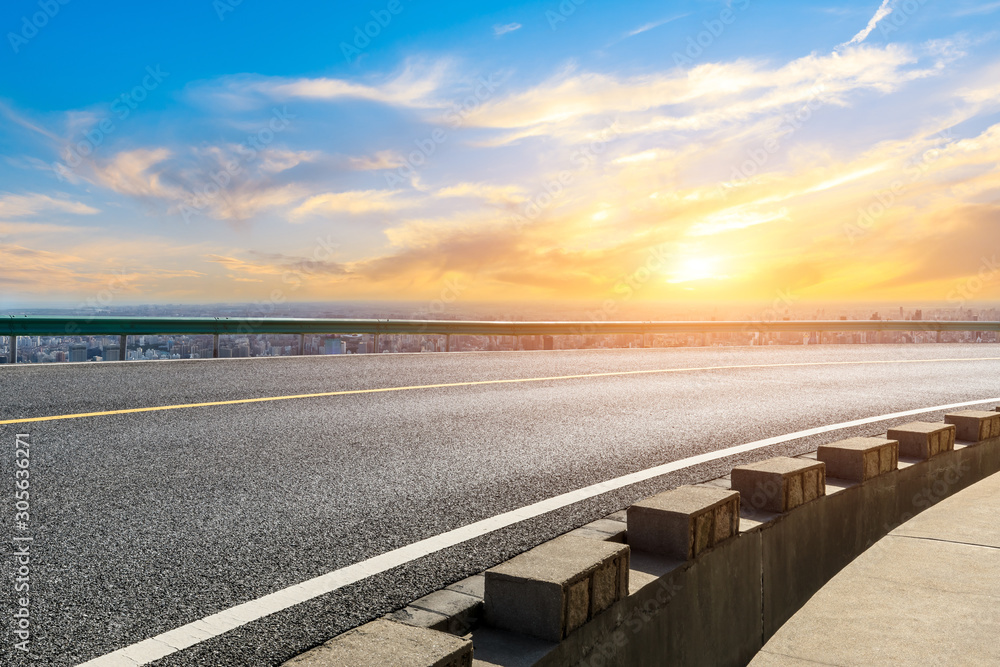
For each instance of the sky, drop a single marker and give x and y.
(692, 151)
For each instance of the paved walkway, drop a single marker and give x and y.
(926, 594)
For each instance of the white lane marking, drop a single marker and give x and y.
(186, 636)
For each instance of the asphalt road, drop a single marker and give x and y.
(144, 522)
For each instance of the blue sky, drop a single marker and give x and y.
(200, 151)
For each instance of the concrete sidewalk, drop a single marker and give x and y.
(926, 594)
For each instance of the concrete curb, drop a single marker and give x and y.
(721, 603)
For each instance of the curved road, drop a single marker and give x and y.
(145, 520)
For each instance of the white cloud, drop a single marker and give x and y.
(415, 85)
(190, 182)
(354, 202)
(25, 206)
(381, 160)
(883, 11)
(25, 123)
(707, 96)
(499, 29)
(655, 24)
(277, 160)
(979, 10)
(495, 194)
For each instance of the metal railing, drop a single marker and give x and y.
(137, 326)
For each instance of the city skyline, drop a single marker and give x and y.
(708, 152)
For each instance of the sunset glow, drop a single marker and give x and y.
(795, 151)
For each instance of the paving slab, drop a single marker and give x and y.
(926, 594)
(383, 642)
(970, 516)
(473, 585)
(462, 611)
(419, 618)
(500, 648)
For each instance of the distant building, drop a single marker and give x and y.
(78, 352)
(334, 346)
(112, 353)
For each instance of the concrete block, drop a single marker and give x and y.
(462, 611)
(614, 529)
(602, 529)
(383, 642)
(975, 425)
(684, 522)
(556, 587)
(779, 484)
(922, 440)
(474, 586)
(859, 459)
(420, 618)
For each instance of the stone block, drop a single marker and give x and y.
(859, 459)
(421, 618)
(462, 611)
(684, 522)
(384, 642)
(779, 484)
(975, 425)
(473, 586)
(602, 529)
(923, 440)
(556, 587)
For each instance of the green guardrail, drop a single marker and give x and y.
(217, 326)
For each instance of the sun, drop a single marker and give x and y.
(695, 268)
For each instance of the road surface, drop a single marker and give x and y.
(147, 519)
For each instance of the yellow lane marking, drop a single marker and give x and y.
(349, 392)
